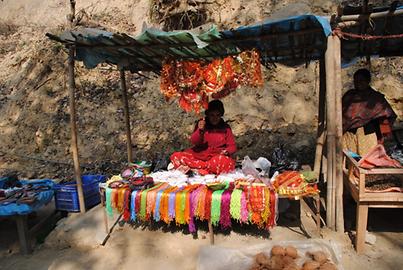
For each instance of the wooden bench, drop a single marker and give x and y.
(356, 185)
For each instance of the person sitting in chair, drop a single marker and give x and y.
(367, 116)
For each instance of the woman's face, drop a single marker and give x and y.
(214, 117)
(361, 82)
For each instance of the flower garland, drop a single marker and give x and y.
(194, 81)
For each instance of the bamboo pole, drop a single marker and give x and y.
(211, 232)
(339, 134)
(331, 131)
(382, 14)
(73, 125)
(127, 116)
(320, 137)
(348, 24)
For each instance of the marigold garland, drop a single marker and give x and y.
(193, 81)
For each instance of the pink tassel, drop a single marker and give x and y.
(244, 208)
(225, 216)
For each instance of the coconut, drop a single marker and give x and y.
(328, 266)
(277, 250)
(291, 251)
(310, 265)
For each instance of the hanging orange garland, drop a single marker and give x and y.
(168, 86)
(193, 82)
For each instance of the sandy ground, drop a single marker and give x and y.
(74, 244)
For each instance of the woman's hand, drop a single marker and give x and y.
(201, 124)
(224, 152)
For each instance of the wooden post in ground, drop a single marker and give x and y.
(127, 115)
(361, 220)
(320, 137)
(211, 232)
(339, 135)
(331, 132)
(73, 126)
(23, 234)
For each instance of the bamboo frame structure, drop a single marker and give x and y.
(346, 18)
(339, 133)
(321, 130)
(73, 125)
(127, 116)
(331, 132)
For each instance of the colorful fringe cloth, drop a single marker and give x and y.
(183, 205)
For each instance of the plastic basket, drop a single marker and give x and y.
(66, 195)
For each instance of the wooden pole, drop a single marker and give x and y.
(211, 232)
(73, 125)
(331, 131)
(358, 17)
(127, 116)
(320, 137)
(103, 204)
(23, 234)
(339, 135)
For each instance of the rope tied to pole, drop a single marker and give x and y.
(345, 35)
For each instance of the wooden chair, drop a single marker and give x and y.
(365, 200)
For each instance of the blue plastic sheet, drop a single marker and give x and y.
(315, 46)
(43, 198)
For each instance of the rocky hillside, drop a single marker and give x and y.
(34, 116)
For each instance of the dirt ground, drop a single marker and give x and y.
(74, 244)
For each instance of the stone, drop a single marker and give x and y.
(370, 238)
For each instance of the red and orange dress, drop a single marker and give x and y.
(206, 154)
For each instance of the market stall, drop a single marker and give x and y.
(237, 54)
(18, 199)
(293, 40)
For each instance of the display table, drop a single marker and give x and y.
(315, 213)
(19, 211)
(354, 180)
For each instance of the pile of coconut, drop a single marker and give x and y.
(288, 258)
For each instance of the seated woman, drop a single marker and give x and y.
(367, 116)
(213, 143)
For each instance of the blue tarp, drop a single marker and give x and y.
(43, 198)
(298, 38)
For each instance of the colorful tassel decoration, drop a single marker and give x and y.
(225, 216)
(235, 204)
(133, 206)
(108, 201)
(216, 206)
